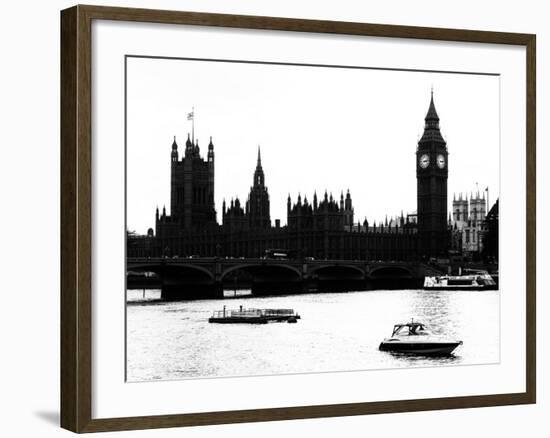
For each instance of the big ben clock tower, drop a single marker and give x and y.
(431, 176)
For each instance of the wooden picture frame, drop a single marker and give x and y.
(76, 217)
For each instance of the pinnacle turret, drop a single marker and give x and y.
(259, 177)
(431, 127)
(432, 113)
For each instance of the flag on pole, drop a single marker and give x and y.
(191, 115)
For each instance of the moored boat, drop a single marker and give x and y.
(253, 316)
(471, 280)
(414, 338)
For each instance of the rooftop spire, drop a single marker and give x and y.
(191, 116)
(259, 178)
(432, 113)
(431, 127)
(211, 151)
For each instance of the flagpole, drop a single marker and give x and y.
(193, 123)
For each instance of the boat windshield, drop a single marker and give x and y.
(410, 330)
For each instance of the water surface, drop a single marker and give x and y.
(337, 332)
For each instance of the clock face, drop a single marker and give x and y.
(424, 161)
(441, 161)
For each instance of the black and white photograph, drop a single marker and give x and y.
(274, 219)
(289, 218)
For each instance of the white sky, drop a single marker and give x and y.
(318, 128)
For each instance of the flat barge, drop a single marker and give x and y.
(253, 316)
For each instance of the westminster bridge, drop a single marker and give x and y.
(207, 277)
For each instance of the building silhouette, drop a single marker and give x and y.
(257, 205)
(490, 234)
(468, 216)
(431, 175)
(324, 228)
(191, 192)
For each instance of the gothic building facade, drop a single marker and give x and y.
(191, 193)
(468, 216)
(324, 228)
(256, 214)
(257, 205)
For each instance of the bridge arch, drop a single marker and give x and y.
(349, 271)
(258, 268)
(397, 271)
(173, 269)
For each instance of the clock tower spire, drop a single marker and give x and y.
(431, 176)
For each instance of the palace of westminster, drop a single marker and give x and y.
(323, 228)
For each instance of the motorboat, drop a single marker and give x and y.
(470, 280)
(413, 338)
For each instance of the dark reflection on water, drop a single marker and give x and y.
(337, 332)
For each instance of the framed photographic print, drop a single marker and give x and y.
(271, 218)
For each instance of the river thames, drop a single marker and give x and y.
(336, 332)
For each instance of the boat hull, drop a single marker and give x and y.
(480, 288)
(229, 320)
(253, 319)
(477, 281)
(420, 348)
